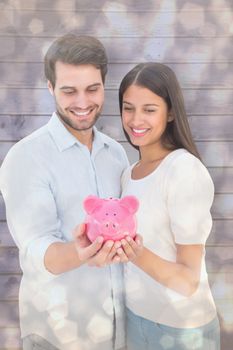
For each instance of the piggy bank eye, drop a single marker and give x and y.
(106, 213)
(114, 214)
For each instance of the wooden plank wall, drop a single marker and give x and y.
(193, 37)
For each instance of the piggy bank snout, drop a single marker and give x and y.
(110, 224)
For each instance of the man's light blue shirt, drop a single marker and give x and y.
(44, 179)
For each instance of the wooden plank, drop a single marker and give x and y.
(115, 24)
(223, 206)
(9, 316)
(9, 287)
(221, 233)
(216, 154)
(198, 101)
(119, 6)
(9, 260)
(212, 128)
(5, 236)
(22, 74)
(222, 178)
(2, 210)
(219, 259)
(4, 148)
(190, 75)
(10, 339)
(190, 49)
(221, 284)
(225, 312)
(15, 127)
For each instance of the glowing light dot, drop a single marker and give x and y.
(36, 26)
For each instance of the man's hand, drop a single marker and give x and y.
(95, 253)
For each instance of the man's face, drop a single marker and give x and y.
(79, 96)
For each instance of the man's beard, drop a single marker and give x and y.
(71, 124)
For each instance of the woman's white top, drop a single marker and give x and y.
(175, 201)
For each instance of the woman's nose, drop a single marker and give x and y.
(137, 118)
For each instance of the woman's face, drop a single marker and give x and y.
(144, 116)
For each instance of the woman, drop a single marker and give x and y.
(169, 302)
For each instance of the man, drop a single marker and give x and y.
(70, 295)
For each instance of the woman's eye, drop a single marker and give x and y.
(150, 110)
(127, 109)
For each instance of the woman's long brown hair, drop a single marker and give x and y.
(161, 80)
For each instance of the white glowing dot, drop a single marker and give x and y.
(36, 26)
(66, 331)
(231, 28)
(108, 306)
(198, 16)
(113, 6)
(167, 342)
(100, 329)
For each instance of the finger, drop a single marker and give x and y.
(123, 257)
(132, 247)
(110, 256)
(138, 239)
(79, 230)
(129, 248)
(91, 250)
(100, 259)
(113, 252)
(116, 259)
(136, 243)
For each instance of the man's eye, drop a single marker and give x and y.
(93, 89)
(68, 92)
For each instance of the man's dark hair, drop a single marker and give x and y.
(75, 50)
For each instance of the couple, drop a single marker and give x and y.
(72, 295)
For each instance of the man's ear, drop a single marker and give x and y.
(50, 87)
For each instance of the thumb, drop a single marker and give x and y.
(79, 230)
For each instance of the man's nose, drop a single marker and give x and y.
(82, 100)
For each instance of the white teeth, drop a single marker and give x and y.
(139, 131)
(80, 114)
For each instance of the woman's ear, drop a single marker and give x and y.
(50, 87)
(170, 117)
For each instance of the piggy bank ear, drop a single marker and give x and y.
(131, 203)
(90, 203)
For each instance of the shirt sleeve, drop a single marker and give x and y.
(30, 208)
(190, 197)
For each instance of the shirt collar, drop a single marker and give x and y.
(64, 139)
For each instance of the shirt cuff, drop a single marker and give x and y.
(36, 251)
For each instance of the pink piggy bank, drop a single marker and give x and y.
(112, 218)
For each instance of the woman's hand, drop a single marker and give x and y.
(130, 248)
